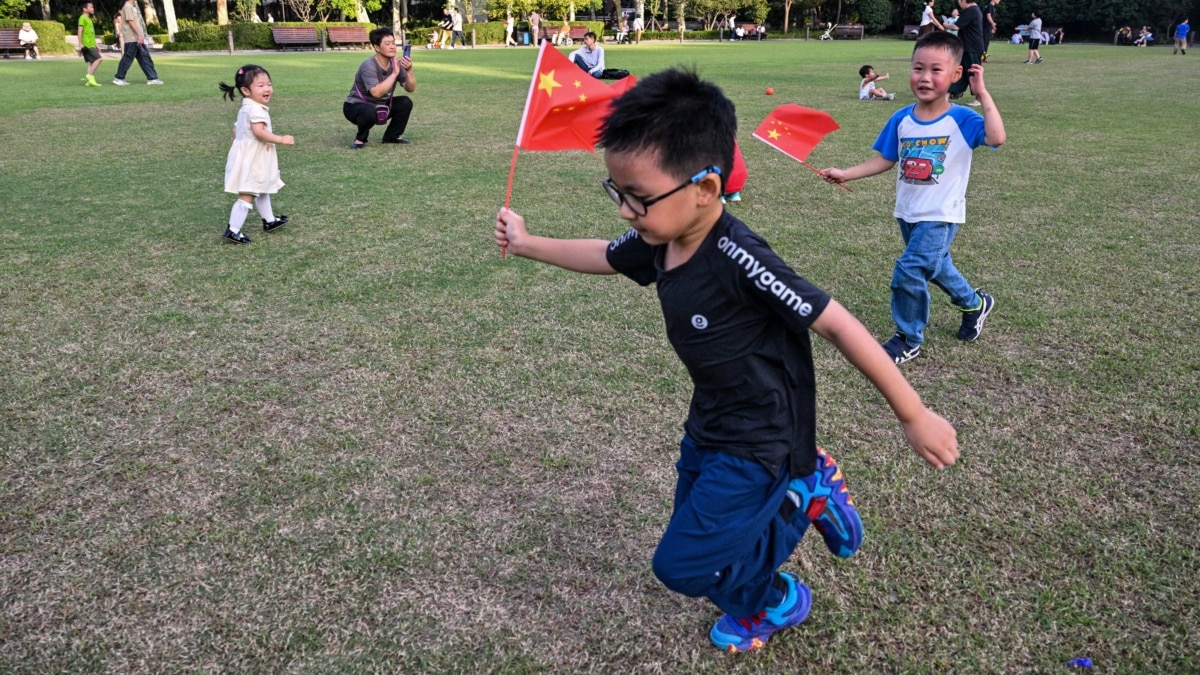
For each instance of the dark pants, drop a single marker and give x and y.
(362, 115)
(727, 536)
(140, 52)
(968, 59)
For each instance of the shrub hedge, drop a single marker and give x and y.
(52, 35)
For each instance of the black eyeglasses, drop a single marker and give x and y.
(638, 205)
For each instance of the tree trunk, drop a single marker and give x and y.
(46, 16)
(361, 13)
(148, 13)
(222, 12)
(172, 24)
(787, 10)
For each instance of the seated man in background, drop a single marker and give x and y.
(590, 57)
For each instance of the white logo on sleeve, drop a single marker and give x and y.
(699, 322)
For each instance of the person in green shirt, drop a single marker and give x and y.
(86, 34)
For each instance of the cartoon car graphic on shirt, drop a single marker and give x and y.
(918, 168)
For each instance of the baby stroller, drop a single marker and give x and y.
(828, 34)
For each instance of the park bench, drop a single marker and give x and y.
(575, 35)
(347, 36)
(9, 41)
(847, 32)
(298, 37)
(911, 32)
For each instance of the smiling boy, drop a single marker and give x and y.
(933, 140)
(750, 476)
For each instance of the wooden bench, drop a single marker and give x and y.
(574, 35)
(347, 36)
(299, 37)
(848, 32)
(911, 32)
(9, 41)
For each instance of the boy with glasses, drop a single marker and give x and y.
(750, 475)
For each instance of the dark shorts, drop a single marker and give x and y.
(90, 54)
(1033, 44)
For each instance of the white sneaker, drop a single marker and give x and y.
(451, 46)
(28, 57)
(891, 97)
(120, 83)
(154, 82)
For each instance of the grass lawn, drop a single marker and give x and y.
(366, 444)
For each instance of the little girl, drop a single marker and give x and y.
(252, 169)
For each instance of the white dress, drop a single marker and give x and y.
(252, 166)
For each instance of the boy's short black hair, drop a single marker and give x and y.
(377, 35)
(687, 121)
(590, 34)
(941, 40)
(864, 71)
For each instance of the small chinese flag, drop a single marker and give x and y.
(795, 130)
(565, 106)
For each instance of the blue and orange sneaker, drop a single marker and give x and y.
(823, 497)
(735, 635)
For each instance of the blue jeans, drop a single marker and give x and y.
(726, 537)
(926, 260)
(140, 52)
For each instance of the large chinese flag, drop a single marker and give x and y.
(795, 130)
(565, 105)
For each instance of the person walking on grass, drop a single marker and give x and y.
(929, 22)
(933, 141)
(133, 33)
(970, 32)
(85, 35)
(1181, 34)
(252, 167)
(751, 478)
(1035, 39)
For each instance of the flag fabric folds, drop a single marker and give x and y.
(565, 106)
(795, 130)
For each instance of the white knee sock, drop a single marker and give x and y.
(237, 216)
(263, 204)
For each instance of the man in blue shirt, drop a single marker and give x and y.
(1181, 33)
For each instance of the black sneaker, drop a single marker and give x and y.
(236, 237)
(274, 224)
(972, 322)
(399, 141)
(898, 349)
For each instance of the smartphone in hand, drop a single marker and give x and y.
(407, 50)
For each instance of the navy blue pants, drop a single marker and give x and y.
(726, 538)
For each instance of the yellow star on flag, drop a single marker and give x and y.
(773, 134)
(547, 83)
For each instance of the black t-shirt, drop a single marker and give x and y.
(970, 30)
(739, 318)
(988, 9)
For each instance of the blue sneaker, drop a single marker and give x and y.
(734, 635)
(823, 497)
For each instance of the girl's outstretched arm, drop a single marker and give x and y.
(260, 131)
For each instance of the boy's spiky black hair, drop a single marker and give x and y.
(941, 40)
(688, 122)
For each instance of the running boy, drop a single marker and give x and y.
(933, 140)
(750, 475)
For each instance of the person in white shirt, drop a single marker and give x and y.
(28, 38)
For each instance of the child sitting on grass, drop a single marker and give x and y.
(866, 87)
(750, 475)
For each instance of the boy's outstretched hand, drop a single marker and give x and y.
(933, 438)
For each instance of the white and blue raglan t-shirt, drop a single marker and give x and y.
(933, 162)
